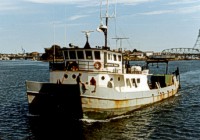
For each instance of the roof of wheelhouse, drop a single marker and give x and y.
(72, 47)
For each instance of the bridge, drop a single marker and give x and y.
(182, 51)
(17, 57)
(185, 52)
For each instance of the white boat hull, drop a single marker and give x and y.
(108, 106)
(94, 103)
(121, 106)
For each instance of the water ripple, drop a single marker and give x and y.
(176, 118)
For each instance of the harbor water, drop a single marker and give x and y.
(176, 118)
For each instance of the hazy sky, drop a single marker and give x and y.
(150, 25)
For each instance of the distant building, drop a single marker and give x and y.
(149, 53)
(35, 55)
(157, 53)
(135, 55)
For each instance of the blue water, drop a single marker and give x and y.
(174, 118)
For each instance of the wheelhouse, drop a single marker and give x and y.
(94, 59)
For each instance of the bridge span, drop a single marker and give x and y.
(185, 52)
(182, 51)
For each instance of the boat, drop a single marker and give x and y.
(97, 83)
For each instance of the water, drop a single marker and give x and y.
(174, 118)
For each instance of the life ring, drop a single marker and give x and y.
(97, 65)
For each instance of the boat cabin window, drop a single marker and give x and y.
(72, 54)
(119, 58)
(66, 55)
(115, 57)
(88, 55)
(118, 78)
(80, 54)
(97, 55)
(138, 80)
(128, 83)
(134, 82)
(109, 56)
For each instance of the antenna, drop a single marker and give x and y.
(115, 8)
(101, 27)
(65, 27)
(54, 42)
(100, 10)
(54, 51)
(120, 38)
(107, 9)
(87, 33)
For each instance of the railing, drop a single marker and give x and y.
(73, 66)
(79, 66)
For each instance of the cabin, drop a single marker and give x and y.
(107, 68)
(96, 59)
(103, 64)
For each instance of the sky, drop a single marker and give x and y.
(147, 25)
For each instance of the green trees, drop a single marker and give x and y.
(54, 50)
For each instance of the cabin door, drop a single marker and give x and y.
(105, 59)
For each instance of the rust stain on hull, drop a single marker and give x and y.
(120, 104)
(106, 104)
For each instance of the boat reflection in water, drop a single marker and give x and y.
(55, 127)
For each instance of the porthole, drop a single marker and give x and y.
(102, 78)
(65, 75)
(73, 76)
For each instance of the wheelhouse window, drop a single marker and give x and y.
(88, 55)
(97, 55)
(138, 80)
(72, 54)
(109, 57)
(80, 54)
(66, 54)
(115, 57)
(119, 58)
(128, 83)
(134, 82)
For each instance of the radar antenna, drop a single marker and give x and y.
(87, 34)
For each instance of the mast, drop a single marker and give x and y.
(106, 31)
(54, 52)
(54, 43)
(104, 28)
